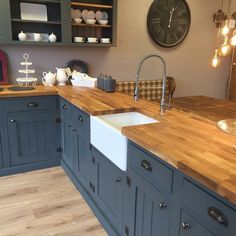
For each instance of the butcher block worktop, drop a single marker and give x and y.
(188, 138)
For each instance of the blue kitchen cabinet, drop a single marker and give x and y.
(109, 190)
(33, 137)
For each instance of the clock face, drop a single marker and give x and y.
(169, 21)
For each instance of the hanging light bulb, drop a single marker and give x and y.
(225, 48)
(233, 39)
(215, 60)
(225, 28)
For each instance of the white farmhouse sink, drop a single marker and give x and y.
(105, 134)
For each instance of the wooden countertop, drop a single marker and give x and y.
(187, 141)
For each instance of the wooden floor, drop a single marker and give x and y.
(44, 203)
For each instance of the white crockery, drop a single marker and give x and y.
(92, 40)
(52, 38)
(90, 21)
(77, 20)
(105, 40)
(37, 37)
(22, 36)
(49, 78)
(103, 22)
(79, 39)
(101, 15)
(61, 76)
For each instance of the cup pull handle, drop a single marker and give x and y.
(32, 105)
(218, 216)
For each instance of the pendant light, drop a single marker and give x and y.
(215, 62)
(225, 48)
(233, 39)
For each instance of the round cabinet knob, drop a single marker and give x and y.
(13, 121)
(186, 226)
(81, 118)
(64, 107)
(74, 130)
(163, 205)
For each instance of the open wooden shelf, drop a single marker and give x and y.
(89, 25)
(35, 21)
(91, 5)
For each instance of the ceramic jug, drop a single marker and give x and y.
(61, 76)
(49, 78)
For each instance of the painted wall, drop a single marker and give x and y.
(188, 63)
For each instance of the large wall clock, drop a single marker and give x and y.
(169, 21)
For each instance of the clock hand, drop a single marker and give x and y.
(171, 15)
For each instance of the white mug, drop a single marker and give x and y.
(105, 40)
(37, 37)
(92, 40)
(79, 39)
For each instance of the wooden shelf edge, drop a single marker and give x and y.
(95, 25)
(36, 22)
(91, 5)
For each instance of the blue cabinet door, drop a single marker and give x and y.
(68, 143)
(1, 149)
(33, 138)
(152, 209)
(190, 227)
(81, 156)
(109, 190)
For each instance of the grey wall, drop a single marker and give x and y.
(188, 63)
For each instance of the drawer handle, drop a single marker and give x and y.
(146, 165)
(64, 107)
(163, 205)
(81, 118)
(218, 216)
(32, 105)
(186, 226)
(69, 126)
(74, 130)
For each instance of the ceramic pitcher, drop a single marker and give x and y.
(61, 76)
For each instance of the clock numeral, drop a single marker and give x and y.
(183, 21)
(161, 35)
(163, 4)
(181, 12)
(156, 20)
(175, 35)
(180, 29)
(168, 38)
(157, 29)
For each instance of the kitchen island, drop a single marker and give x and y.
(190, 148)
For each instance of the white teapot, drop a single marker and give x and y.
(62, 76)
(49, 78)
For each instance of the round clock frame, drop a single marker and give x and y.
(168, 22)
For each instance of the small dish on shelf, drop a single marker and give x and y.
(92, 40)
(88, 15)
(77, 20)
(105, 40)
(79, 40)
(90, 21)
(102, 22)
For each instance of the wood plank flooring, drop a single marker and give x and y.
(44, 203)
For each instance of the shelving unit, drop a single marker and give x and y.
(58, 22)
(96, 30)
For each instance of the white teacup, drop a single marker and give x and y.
(92, 40)
(49, 78)
(79, 39)
(37, 37)
(105, 40)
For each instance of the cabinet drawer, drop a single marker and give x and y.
(150, 168)
(190, 227)
(31, 104)
(211, 210)
(66, 109)
(81, 119)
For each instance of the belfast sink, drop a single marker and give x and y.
(107, 138)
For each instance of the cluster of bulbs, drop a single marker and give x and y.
(225, 48)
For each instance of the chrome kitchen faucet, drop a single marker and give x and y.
(136, 92)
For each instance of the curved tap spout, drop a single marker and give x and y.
(136, 92)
